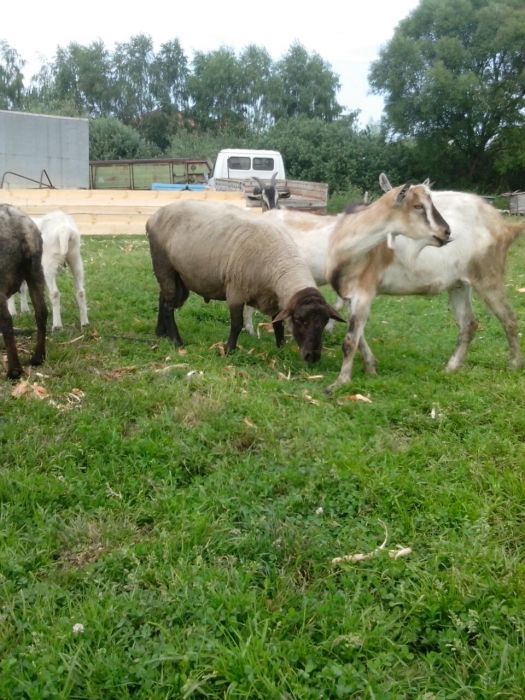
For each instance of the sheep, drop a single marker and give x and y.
(359, 253)
(61, 245)
(221, 252)
(310, 233)
(21, 260)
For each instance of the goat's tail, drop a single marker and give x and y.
(514, 230)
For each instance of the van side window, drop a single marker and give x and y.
(263, 163)
(238, 163)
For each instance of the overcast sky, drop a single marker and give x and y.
(347, 35)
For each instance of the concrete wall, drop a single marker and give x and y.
(31, 143)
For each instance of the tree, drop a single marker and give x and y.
(216, 89)
(258, 84)
(305, 86)
(109, 139)
(133, 66)
(454, 79)
(11, 78)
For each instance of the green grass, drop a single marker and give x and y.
(177, 518)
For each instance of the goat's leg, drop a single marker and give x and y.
(367, 355)
(359, 311)
(494, 297)
(14, 368)
(236, 317)
(36, 288)
(460, 300)
(247, 313)
(77, 268)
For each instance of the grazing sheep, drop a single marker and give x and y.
(20, 260)
(61, 245)
(359, 254)
(221, 252)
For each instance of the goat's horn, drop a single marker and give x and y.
(384, 183)
(402, 193)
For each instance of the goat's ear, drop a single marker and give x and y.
(402, 194)
(384, 183)
(282, 315)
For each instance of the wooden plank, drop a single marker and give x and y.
(111, 212)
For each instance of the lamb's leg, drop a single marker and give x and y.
(11, 305)
(460, 300)
(14, 368)
(493, 294)
(36, 287)
(248, 319)
(24, 306)
(359, 311)
(236, 318)
(77, 268)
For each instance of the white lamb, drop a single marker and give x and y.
(61, 245)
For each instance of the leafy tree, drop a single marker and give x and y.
(454, 80)
(11, 78)
(216, 89)
(134, 71)
(110, 139)
(258, 84)
(304, 86)
(169, 77)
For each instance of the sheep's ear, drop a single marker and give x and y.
(282, 315)
(384, 183)
(333, 314)
(402, 194)
(427, 182)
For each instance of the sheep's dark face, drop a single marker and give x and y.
(309, 314)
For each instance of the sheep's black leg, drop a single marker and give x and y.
(14, 368)
(278, 330)
(166, 323)
(36, 292)
(236, 321)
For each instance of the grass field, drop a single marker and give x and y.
(169, 520)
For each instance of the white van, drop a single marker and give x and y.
(244, 163)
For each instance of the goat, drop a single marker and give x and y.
(269, 193)
(61, 245)
(358, 255)
(21, 260)
(475, 258)
(222, 253)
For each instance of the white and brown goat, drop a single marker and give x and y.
(359, 252)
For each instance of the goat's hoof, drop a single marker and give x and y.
(37, 360)
(57, 328)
